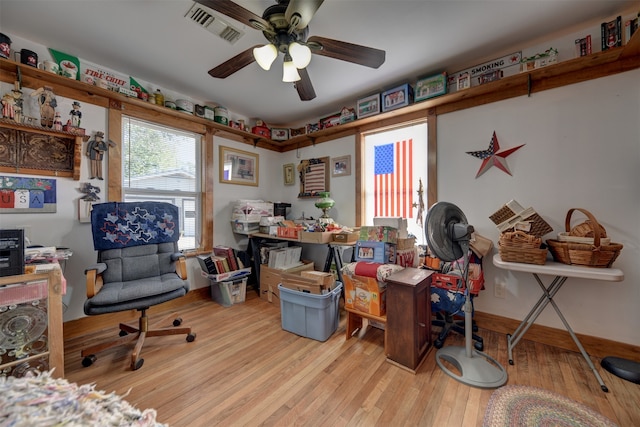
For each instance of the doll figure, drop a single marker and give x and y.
(57, 122)
(95, 151)
(47, 102)
(76, 114)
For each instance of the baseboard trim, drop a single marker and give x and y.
(594, 346)
(597, 347)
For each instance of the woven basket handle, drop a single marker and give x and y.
(596, 224)
(521, 236)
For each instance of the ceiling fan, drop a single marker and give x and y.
(285, 26)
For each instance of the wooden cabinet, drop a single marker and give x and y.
(28, 149)
(408, 331)
(31, 324)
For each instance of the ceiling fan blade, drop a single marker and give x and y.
(234, 64)
(304, 86)
(349, 52)
(300, 12)
(237, 12)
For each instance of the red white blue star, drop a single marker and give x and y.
(493, 156)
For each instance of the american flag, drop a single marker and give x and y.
(314, 179)
(393, 180)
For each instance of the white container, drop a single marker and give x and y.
(184, 105)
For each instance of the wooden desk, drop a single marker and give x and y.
(37, 328)
(334, 253)
(561, 272)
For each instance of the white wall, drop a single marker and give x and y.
(582, 150)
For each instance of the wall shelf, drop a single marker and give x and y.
(35, 150)
(599, 64)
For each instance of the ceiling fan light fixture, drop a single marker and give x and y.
(289, 71)
(300, 54)
(265, 55)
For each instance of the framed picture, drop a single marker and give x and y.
(238, 167)
(397, 97)
(279, 134)
(432, 86)
(368, 106)
(314, 177)
(289, 174)
(341, 166)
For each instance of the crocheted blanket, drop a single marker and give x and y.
(117, 225)
(40, 400)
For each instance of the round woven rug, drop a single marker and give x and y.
(517, 405)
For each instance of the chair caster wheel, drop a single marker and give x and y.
(478, 345)
(511, 362)
(438, 343)
(88, 360)
(177, 321)
(191, 337)
(123, 333)
(138, 364)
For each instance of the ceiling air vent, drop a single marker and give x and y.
(209, 20)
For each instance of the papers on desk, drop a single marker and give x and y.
(46, 254)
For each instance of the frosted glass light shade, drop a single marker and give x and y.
(300, 54)
(290, 72)
(265, 55)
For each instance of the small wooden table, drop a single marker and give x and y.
(561, 272)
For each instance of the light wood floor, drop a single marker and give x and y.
(243, 369)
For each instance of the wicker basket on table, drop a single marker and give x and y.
(518, 246)
(594, 254)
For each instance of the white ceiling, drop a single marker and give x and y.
(152, 41)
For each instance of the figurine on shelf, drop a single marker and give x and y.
(57, 122)
(76, 114)
(47, 102)
(17, 109)
(8, 106)
(95, 151)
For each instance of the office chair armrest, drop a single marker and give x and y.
(94, 278)
(181, 264)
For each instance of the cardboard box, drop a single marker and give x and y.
(251, 210)
(344, 237)
(381, 252)
(289, 232)
(407, 257)
(308, 282)
(396, 222)
(323, 278)
(270, 278)
(365, 294)
(408, 243)
(379, 234)
(316, 237)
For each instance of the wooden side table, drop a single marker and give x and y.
(408, 329)
(355, 321)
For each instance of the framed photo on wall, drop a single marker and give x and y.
(341, 166)
(289, 174)
(238, 167)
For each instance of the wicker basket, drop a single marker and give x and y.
(590, 255)
(518, 246)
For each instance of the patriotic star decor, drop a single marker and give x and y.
(492, 156)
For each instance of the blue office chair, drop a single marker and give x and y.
(138, 266)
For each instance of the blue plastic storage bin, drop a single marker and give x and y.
(309, 315)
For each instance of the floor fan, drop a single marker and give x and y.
(448, 235)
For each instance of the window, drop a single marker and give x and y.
(395, 161)
(163, 164)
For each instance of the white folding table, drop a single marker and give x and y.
(561, 272)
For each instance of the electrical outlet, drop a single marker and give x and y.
(499, 290)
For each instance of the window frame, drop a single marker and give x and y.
(115, 191)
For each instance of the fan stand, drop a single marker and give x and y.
(476, 368)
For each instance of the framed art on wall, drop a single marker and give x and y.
(341, 166)
(289, 174)
(238, 167)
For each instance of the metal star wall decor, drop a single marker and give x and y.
(492, 156)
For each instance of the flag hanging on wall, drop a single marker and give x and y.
(314, 179)
(393, 183)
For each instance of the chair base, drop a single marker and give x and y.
(129, 333)
(448, 324)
